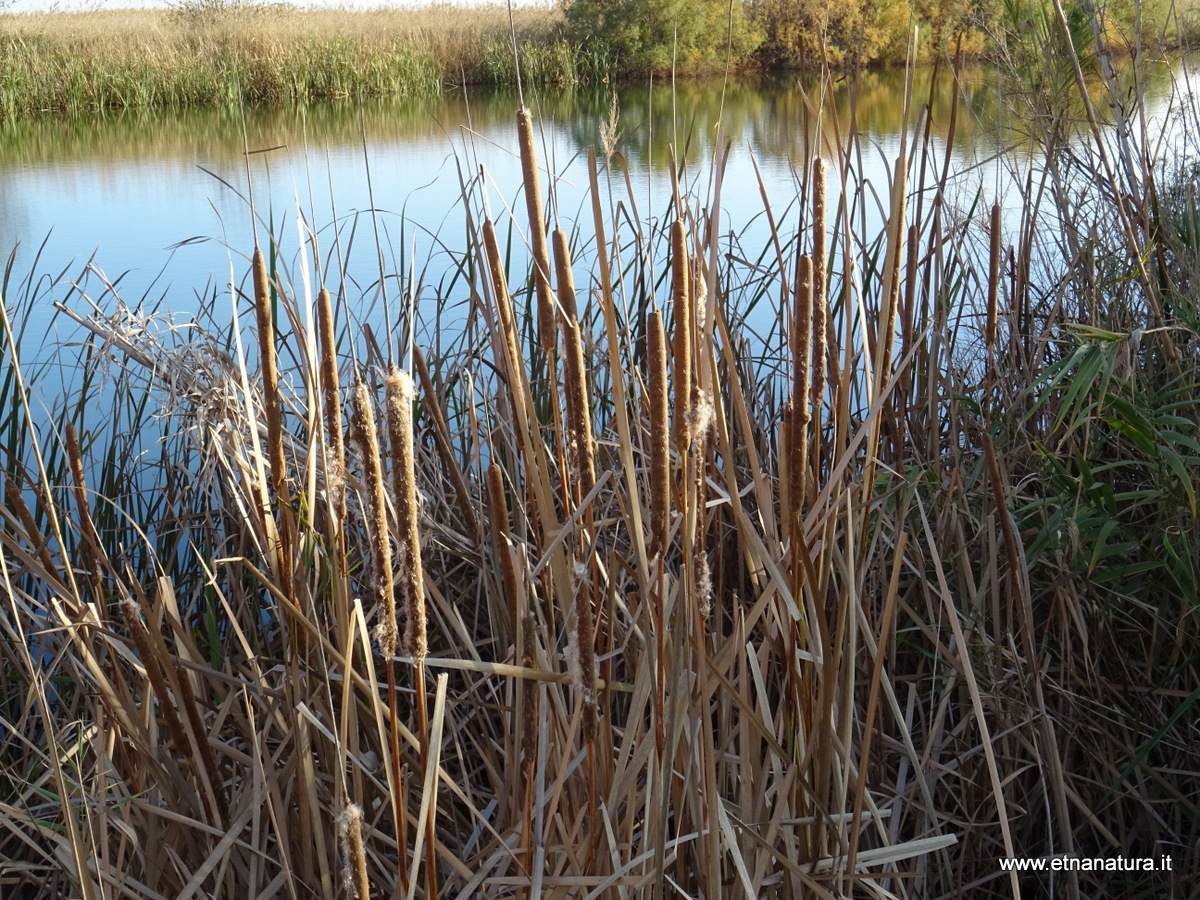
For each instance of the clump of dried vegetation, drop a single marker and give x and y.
(611, 597)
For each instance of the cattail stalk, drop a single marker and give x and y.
(270, 375)
(660, 451)
(802, 334)
(158, 685)
(398, 396)
(681, 305)
(530, 717)
(498, 507)
(537, 229)
(504, 310)
(891, 277)
(160, 665)
(993, 298)
(820, 314)
(332, 395)
(382, 585)
(398, 387)
(90, 539)
(31, 528)
(579, 416)
(582, 655)
(271, 406)
(445, 447)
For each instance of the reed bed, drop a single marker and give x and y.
(855, 610)
(207, 54)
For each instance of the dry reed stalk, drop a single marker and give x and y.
(166, 706)
(891, 280)
(789, 503)
(31, 528)
(802, 339)
(530, 717)
(508, 571)
(441, 439)
(331, 393)
(681, 306)
(504, 311)
(907, 328)
(87, 528)
(537, 229)
(381, 583)
(579, 415)
(175, 698)
(660, 450)
(354, 856)
(581, 650)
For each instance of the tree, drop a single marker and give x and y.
(652, 35)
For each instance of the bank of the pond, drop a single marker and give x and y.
(119, 59)
(219, 52)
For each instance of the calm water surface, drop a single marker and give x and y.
(158, 201)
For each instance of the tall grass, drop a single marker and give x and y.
(905, 587)
(213, 54)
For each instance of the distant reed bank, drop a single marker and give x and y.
(206, 52)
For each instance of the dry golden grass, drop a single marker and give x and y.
(202, 56)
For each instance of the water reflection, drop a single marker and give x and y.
(133, 184)
(773, 114)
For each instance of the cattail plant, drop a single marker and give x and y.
(332, 399)
(681, 307)
(579, 415)
(660, 450)
(820, 312)
(398, 388)
(510, 346)
(537, 230)
(398, 394)
(802, 335)
(381, 579)
(993, 301)
(514, 608)
(279, 531)
(89, 539)
(270, 374)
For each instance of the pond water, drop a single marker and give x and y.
(158, 200)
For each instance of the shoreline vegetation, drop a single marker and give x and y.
(210, 52)
(588, 596)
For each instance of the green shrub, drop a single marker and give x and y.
(661, 35)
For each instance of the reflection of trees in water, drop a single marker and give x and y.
(776, 115)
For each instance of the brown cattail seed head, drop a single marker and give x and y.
(579, 416)
(354, 857)
(363, 433)
(537, 229)
(331, 392)
(399, 393)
